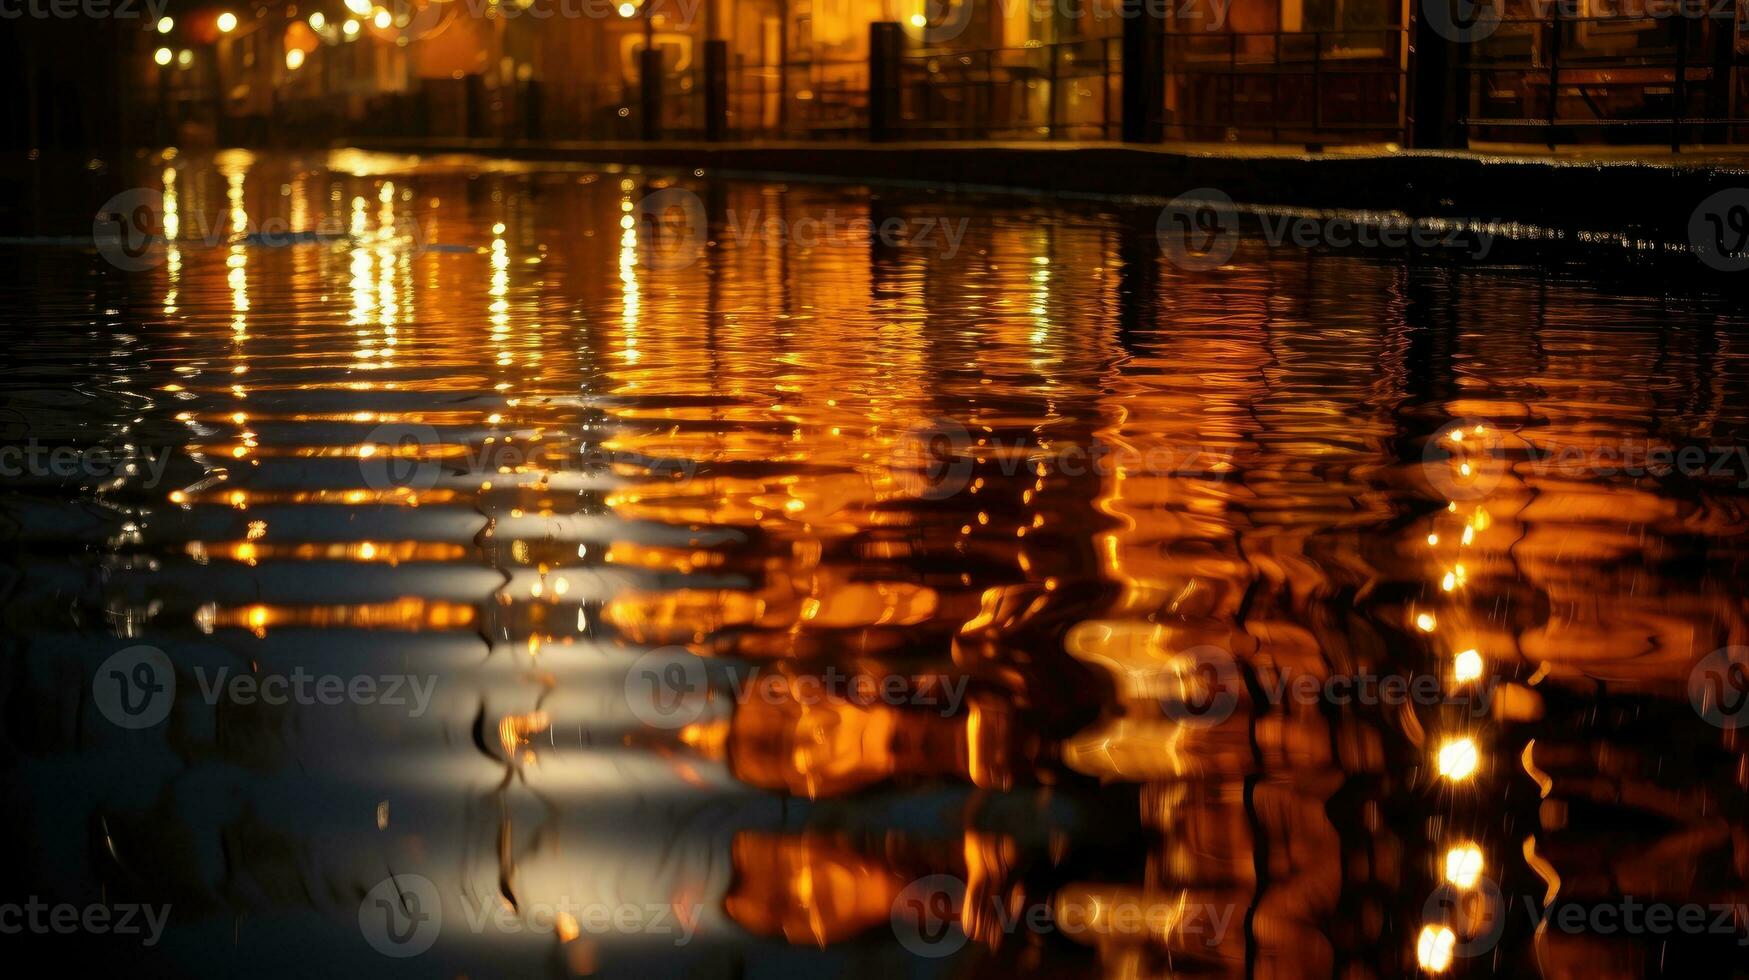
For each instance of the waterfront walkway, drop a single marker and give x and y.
(1601, 190)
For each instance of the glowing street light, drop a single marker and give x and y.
(382, 19)
(1463, 866)
(1434, 948)
(627, 10)
(350, 28)
(359, 7)
(227, 22)
(318, 21)
(166, 25)
(1458, 759)
(294, 59)
(161, 56)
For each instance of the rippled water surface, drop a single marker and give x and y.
(785, 603)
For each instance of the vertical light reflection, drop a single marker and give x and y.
(172, 250)
(628, 271)
(388, 307)
(363, 285)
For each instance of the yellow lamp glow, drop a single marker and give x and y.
(1463, 866)
(162, 56)
(227, 22)
(166, 25)
(1458, 759)
(318, 20)
(1467, 666)
(382, 19)
(1433, 949)
(350, 28)
(294, 59)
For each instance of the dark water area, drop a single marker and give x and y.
(466, 568)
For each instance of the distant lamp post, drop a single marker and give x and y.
(359, 7)
(318, 20)
(294, 59)
(227, 22)
(166, 25)
(162, 56)
(350, 29)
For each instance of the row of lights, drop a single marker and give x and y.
(226, 23)
(1458, 757)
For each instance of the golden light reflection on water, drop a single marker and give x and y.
(1010, 500)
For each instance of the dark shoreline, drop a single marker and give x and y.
(1642, 199)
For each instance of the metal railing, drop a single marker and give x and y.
(1619, 79)
(805, 99)
(1287, 85)
(1066, 90)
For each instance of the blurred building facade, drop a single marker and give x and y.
(1637, 72)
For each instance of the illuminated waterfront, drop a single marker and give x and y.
(1006, 545)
